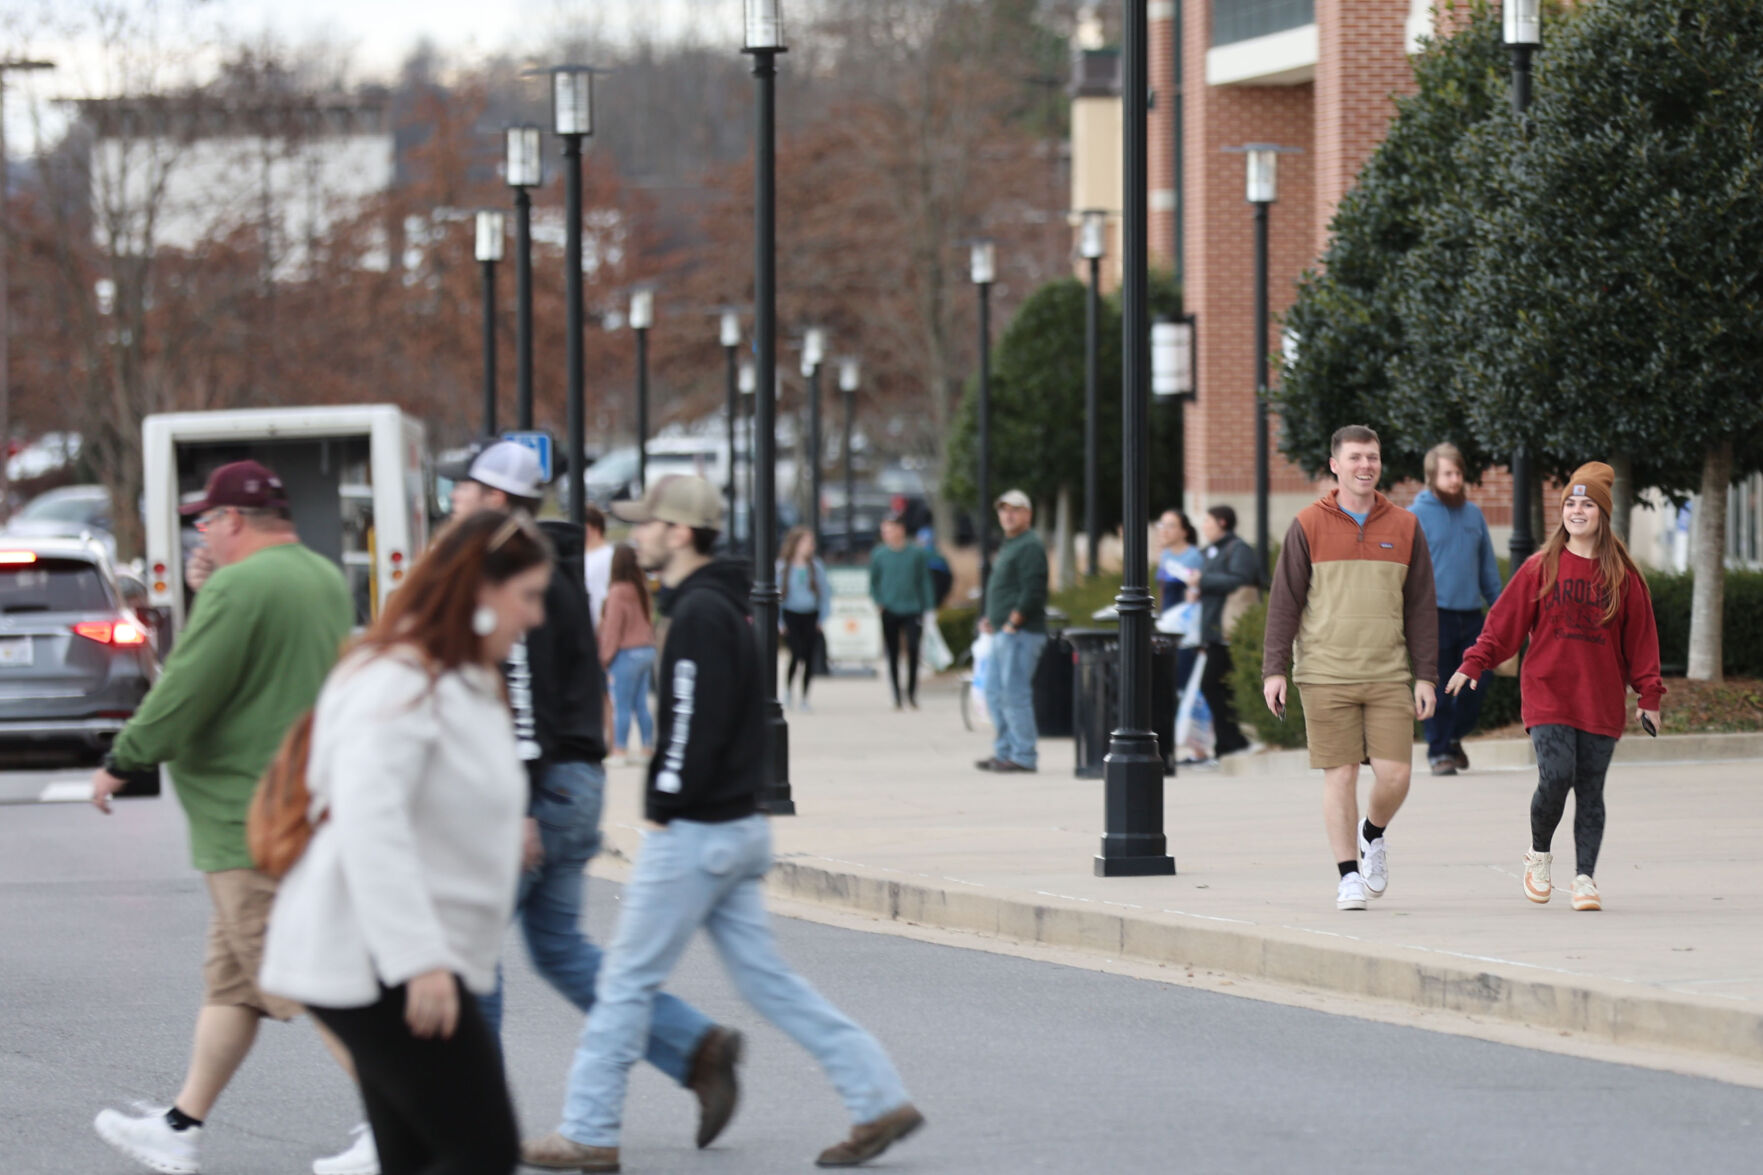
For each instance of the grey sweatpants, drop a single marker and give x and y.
(1573, 760)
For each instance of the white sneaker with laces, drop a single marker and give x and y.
(1373, 864)
(1351, 895)
(362, 1157)
(150, 1140)
(1537, 886)
(1585, 894)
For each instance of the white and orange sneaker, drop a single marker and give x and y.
(1537, 886)
(1585, 894)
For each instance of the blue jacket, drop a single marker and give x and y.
(1463, 564)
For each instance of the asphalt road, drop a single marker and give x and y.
(1019, 1065)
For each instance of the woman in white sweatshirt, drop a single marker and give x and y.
(397, 909)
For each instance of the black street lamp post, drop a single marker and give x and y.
(747, 379)
(730, 336)
(1522, 31)
(523, 167)
(572, 114)
(813, 355)
(1133, 844)
(490, 235)
(983, 268)
(642, 317)
(1093, 244)
(765, 40)
(1262, 180)
(850, 375)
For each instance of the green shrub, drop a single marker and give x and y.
(958, 626)
(1742, 632)
(1245, 682)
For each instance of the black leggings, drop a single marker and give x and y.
(801, 629)
(896, 625)
(1570, 760)
(437, 1107)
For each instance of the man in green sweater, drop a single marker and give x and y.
(1016, 616)
(263, 634)
(899, 583)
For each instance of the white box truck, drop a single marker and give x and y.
(357, 478)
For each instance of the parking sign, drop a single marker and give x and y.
(540, 443)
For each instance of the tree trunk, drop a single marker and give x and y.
(1708, 599)
(1622, 495)
(1064, 540)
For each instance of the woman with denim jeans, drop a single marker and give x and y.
(627, 651)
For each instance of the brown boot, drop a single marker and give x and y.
(870, 1139)
(557, 1153)
(713, 1080)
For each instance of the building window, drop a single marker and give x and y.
(1241, 20)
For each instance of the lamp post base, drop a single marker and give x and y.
(775, 798)
(1133, 781)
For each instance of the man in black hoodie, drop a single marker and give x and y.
(705, 851)
(555, 688)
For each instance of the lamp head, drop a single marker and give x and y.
(1261, 174)
(850, 373)
(748, 378)
(572, 100)
(1521, 22)
(731, 328)
(765, 26)
(523, 166)
(983, 261)
(642, 315)
(1093, 235)
(490, 235)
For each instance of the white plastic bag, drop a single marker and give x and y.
(982, 656)
(933, 650)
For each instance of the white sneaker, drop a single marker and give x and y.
(1351, 895)
(1537, 886)
(150, 1140)
(362, 1157)
(1373, 864)
(1585, 894)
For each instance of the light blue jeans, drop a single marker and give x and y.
(550, 915)
(630, 671)
(1010, 694)
(688, 875)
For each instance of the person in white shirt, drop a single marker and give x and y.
(596, 559)
(397, 909)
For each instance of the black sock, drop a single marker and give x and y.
(1347, 867)
(178, 1120)
(1370, 831)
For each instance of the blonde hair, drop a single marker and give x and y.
(1444, 450)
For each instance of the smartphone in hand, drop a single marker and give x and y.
(1647, 725)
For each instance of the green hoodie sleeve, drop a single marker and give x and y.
(197, 681)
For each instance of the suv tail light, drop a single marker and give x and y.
(122, 633)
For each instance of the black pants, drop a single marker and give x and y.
(801, 632)
(909, 627)
(1215, 687)
(437, 1107)
(1570, 760)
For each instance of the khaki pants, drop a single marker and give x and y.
(242, 900)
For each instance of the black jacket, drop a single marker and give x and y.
(1230, 564)
(555, 683)
(710, 736)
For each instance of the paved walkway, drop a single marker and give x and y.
(894, 820)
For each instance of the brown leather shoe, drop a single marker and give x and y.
(557, 1153)
(713, 1080)
(1008, 767)
(870, 1139)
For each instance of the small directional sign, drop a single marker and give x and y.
(539, 442)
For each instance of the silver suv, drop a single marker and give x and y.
(75, 659)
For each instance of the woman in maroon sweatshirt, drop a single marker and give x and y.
(1586, 609)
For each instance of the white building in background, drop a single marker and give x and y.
(176, 172)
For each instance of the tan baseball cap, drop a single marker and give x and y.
(677, 498)
(1013, 498)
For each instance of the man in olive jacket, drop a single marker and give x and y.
(1016, 616)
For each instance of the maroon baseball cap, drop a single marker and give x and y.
(244, 485)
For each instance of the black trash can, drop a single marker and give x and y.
(1053, 688)
(1096, 696)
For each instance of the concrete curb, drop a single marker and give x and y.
(1614, 1011)
(1517, 753)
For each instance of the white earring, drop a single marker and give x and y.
(483, 621)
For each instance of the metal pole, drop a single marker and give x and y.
(1522, 543)
(734, 407)
(523, 306)
(643, 408)
(1133, 844)
(1092, 414)
(775, 797)
(985, 435)
(814, 456)
(572, 261)
(1261, 456)
(850, 481)
(489, 348)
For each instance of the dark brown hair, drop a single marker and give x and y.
(1352, 434)
(432, 609)
(625, 570)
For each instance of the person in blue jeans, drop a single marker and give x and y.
(705, 851)
(554, 686)
(1467, 574)
(627, 649)
(1016, 615)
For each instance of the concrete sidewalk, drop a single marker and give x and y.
(896, 822)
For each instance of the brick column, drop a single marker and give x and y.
(1161, 133)
(1362, 61)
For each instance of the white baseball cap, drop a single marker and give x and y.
(509, 467)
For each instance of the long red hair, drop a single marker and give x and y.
(1612, 559)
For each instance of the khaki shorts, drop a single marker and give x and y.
(242, 900)
(1349, 723)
